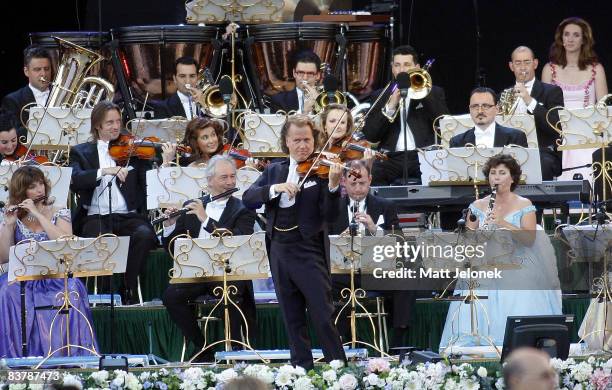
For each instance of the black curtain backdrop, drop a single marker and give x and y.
(440, 29)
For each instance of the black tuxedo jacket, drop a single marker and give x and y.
(235, 217)
(14, 102)
(314, 204)
(421, 115)
(285, 101)
(170, 107)
(375, 207)
(503, 136)
(85, 163)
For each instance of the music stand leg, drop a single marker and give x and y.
(24, 337)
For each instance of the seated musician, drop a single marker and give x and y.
(37, 68)
(486, 132)
(204, 136)
(200, 221)
(307, 74)
(92, 170)
(383, 124)
(11, 149)
(183, 101)
(373, 214)
(29, 215)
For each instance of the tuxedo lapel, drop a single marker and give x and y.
(373, 208)
(500, 139)
(536, 90)
(228, 212)
(470, 136)
(176, 106)
(293, 99)
(92, 155)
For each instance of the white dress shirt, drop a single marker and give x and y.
(99, 203)
(521, 107)
(361, 208)
(213, 210)
(485, 136)
(40, 96)
(410, 144)
(301, 97)
(186, 101)
(292, 177)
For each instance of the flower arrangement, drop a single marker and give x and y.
(371, 374)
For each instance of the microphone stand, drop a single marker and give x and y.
(403, 115)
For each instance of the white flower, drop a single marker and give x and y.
(336, 364)
(482, 372)
(303, 383)
(329, 376)
(17, 387)
(72, 381)
(287, 369)
(499, 384)
(143, 376)
(132, 383)
(469, 385)
(283, 379)
(581, 372)
(226, 375)
(378, 365)
(299, 371)
(100, 377)
(347, 382)
(192, 374)
(373, 380)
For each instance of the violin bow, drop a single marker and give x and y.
(318, 157)
(144, 105)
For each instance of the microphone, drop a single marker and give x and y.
(226, 87)
(330, 85)
(403, 83)
(354, 226)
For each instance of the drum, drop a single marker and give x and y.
(275, 45)
(92, 40)
(148, 54)
(367, 52)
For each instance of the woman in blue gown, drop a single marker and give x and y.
(530, 286)
(37, 220)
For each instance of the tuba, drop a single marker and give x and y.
(71, 78)
(211, 101)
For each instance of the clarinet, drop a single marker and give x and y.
(486, 225)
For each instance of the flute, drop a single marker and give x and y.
(205, 200)
(12, 209)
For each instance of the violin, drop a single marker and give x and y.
(350, 148)
(20, 152)
(321, 168)
(241, 156)
(126, 146)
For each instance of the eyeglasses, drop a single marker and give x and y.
(481, 107)
(301, 73)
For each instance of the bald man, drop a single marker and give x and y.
(537, 98)
(529, 369)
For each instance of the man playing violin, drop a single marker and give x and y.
(92, 171)
(200, 222)
(183, 101)
(297, 242)
(383, 124)
(307, 75)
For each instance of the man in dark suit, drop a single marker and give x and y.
(537, 98)
(483, 109)
(92, 170)
(183, 101)
(307, 75)
(200, 221)
(297, 241)
(383, 124)
(373, 215)
(37, 68)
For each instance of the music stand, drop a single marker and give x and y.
(65, 258)
(262, 133)
(451, 125)
(222, 257)
(59, 177)
(593, 243)
(209, 11)
(167, 130)
(351, 254)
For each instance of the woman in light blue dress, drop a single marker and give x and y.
(529, 287)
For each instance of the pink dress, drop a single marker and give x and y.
(576, 96)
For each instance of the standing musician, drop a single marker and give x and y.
(383, 124)
(37, 68)
(92, 170)
(536, 98)
(307, 74)
(200, 222)
(297, 241)
(183, 101)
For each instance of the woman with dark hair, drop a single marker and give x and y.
(36, 219)
(529, 283)
(204, 136)
(574, 66)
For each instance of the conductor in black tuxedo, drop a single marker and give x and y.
(537, 98)
(92, 170)
(297, 241)
(483, 109)
(183, 101)
(307, 75)
(383, 124)
(200, 221)
(37, 68)
(374, 216)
